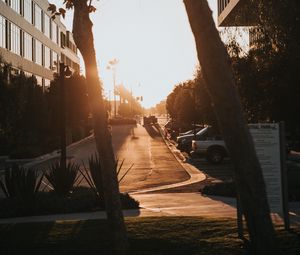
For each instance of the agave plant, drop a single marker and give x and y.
(93, 175)
(62, 180)
(20, 183)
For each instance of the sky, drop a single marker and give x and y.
(152, 41)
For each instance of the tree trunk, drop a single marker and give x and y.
(83, 36)
(218, 75)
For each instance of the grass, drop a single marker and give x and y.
(147, 236)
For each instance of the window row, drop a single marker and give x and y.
(36, 16)
(23, 44)
(222, 5)
(45, 83)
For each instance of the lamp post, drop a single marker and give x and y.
(64, 71)
(112, 66)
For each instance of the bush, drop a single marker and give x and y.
(62, 180)
(128, 202)
(226, 189)
(93, 176)
(20, 183)
(81, 199)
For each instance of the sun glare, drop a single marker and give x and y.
(152, 42)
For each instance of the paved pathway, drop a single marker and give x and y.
(156, 204)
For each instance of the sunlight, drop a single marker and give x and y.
(152, 41)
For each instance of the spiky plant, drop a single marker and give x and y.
(93, 175)
(62, 180)
(20, 183)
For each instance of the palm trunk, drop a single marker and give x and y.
(220, 83)
(83, 36)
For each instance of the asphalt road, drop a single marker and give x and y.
(140, 147)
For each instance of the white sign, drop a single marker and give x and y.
(266, 139)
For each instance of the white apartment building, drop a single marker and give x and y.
(30, 40)
(235, 13)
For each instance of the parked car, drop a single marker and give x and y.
(209, 143)
(197, 129)
(184, 142)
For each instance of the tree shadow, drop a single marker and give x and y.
(152, 130)
(120, 133)
(221, 172)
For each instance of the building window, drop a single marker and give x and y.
(54, 31)
(39, 80)
(47, 57)
(47, 84)
(62, 40)
(2, 32)
(38, 52)
(38, 17)
(28, 46)
(54, 61)
(15, 39)
(15, 5)
(47, 25)
(27, 11)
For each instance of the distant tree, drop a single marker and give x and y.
(190, 101)
(77, 107)
(24, 119)
(185, 105)
(267, 76)
(125, 110)
(160, 108)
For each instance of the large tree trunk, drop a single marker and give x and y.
(83, 36)
(218, 75)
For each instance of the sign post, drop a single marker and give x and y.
(269, 142)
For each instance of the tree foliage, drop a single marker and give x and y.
(189, 101)
(29, 116)
(267, 76)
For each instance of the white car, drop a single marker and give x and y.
(184, 142)
(211, 145)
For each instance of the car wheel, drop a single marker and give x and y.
(215, 156)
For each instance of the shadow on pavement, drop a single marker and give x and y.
(152, 131)
(222, 172)
(120, 133)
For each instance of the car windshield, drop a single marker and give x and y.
(188, 132)
(202, 131)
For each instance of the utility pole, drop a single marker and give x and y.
(112, 66)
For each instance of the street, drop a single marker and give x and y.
(140, 147)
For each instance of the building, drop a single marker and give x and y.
(235, 13)
(33, 42)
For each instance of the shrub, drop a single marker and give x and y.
(94, 176)
(128, 202)
(62, 180)
(226, 189)
(20, 183)
(82, 199)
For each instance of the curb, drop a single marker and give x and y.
(54, 154)
(193, 172)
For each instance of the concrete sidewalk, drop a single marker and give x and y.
(167, 204)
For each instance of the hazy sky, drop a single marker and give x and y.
(151, 39)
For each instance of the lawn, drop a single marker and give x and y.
(159, 236)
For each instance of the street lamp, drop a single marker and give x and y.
(64, 71)
(112, 66)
